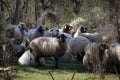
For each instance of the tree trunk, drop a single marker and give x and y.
(16, 13)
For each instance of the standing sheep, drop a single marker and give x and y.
(113, 59)
(81, 29)
(66, 28)
(76, 47)
(94, 55)
(37, 32)
(17, 32)
(48, 47)
(93, 37)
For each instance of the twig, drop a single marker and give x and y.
(73, 75)
(51, 75)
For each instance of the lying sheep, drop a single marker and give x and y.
(66, 28)
(94, 55)
(28, 59)
(113, 59)
(37, 32)
(81, 29)
(76, 47)
(48, 47)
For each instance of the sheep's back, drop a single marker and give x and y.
(93, 37)
(46, 46)
(78, 44)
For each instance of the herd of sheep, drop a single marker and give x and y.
(31, 46)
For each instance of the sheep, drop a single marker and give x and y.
(76, 47)
(16, 49)
(28, 59)
(37, 32)
(94, 55)
(81, 29)
(17, 32)
(93, 37)
(54, 32)
(113, 59)
(48, 46)
(66, 28)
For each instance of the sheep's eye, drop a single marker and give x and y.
(57, 30)
(51, 30)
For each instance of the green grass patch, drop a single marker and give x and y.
(64, 72)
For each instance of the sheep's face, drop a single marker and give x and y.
(22, 26)
(62, 38)
(67, 28)
(41, 28)
(103, 46)
(83, 29)
(54, 31)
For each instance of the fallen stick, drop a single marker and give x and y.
(73, 75)
(51, 75)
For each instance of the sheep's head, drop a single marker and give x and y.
(66, 28)
(62, 38)
(22, 26)
(83, 29)
(41, 28)
(54, 31)
(102, 48)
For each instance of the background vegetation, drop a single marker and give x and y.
(91, 13)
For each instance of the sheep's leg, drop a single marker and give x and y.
(37, 61)
(56, 62)
(80, 56)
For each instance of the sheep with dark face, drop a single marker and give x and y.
(16, 49)
(37, 32)
(81, 29)
(113, 59)
(94, 55)
(76, 48)
(48, 47)
(54, 32)
(66, 28)
(17, 32)
(93, 37)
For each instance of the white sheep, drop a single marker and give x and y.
(48, 46)
(17, 32)
(28, 59)
(93, 37)
(37, 32)
(76, 47)
(54, 32)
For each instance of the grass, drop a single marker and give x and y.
(64, 72)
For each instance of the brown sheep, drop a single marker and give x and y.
(66, 28)
(94, 55)
(113, 59)
(48, 47)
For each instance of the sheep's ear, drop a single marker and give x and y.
(63, 36)
(103, 45)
